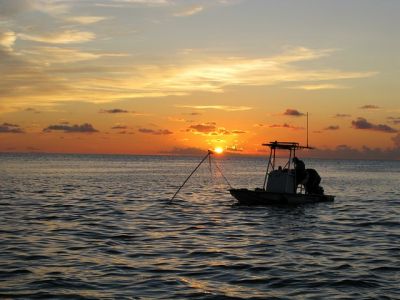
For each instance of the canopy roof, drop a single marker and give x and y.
(286, 145)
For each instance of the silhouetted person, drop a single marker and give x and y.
(300, 170)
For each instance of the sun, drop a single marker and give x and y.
(218, 150)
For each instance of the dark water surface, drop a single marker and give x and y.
(100, 227)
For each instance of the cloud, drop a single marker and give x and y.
(155, 132)
(119, 127)
(33, 110)
(185, 151)
(215, 75)
(362, 123)
(347, 152)
(57, 55)
(217, 107)
(190, 11)
(238, 131)
(203, 128)
(125, 132)
(7, 40)
(114, 111)
(122, 3)
(84, 128)
(117, 80)
(68, 36)
(369, 106)
(175, 119)
(394, 120)
(85, 20)
(53, 8)
(293, 112)
(342, 116)
(314, 87)
(212, 129)
(234, 148)
(285, 125)
(332, 127)
(10, 128)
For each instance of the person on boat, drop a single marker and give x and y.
(300, 170)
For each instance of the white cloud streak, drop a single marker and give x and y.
(189, 11)
(85, 20)
(217, 107)
(63, 37)
(7, 40)
(107, 82)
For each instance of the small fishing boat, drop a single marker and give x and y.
(291, 184)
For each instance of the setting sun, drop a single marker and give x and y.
(218, 150)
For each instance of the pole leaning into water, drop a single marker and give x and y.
(205, 157)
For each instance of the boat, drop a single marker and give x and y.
(290, 185)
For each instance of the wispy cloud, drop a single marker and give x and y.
(85, 20)
(394, 120)
(155, 132)
(119, 127)
(128, 3)
(218, 107)
(203, 128)
(31, 109)
(342, 116)
(57, 55)
(7, 40)
(189, 11)
(362, 123)
(332, 127)
(285, 125)
(348, 152)
(114, 111)
(110, 81)
(211, 128)
(84, 128)
(315, 87)
(64, 37)
(369, 106)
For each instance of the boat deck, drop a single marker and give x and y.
(262, 197)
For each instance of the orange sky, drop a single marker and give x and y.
(180, 77)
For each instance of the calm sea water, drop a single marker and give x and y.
(100, 227)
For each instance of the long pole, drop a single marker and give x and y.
(307, 129)
(205, 157)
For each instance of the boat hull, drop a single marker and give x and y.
(261, 197)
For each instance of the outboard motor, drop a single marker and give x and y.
(312, 183)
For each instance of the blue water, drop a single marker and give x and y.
(100, 227)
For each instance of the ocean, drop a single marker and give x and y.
(102, 227)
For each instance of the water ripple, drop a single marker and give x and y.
(102, 227)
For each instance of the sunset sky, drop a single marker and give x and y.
(180, 76)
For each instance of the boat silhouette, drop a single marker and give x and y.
(292, 184)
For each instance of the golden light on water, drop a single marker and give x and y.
(218, 150)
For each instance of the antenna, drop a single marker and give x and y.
(307, 129)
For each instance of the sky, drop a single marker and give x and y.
(180, 77)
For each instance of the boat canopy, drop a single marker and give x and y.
(286, 145)
(291, 147)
